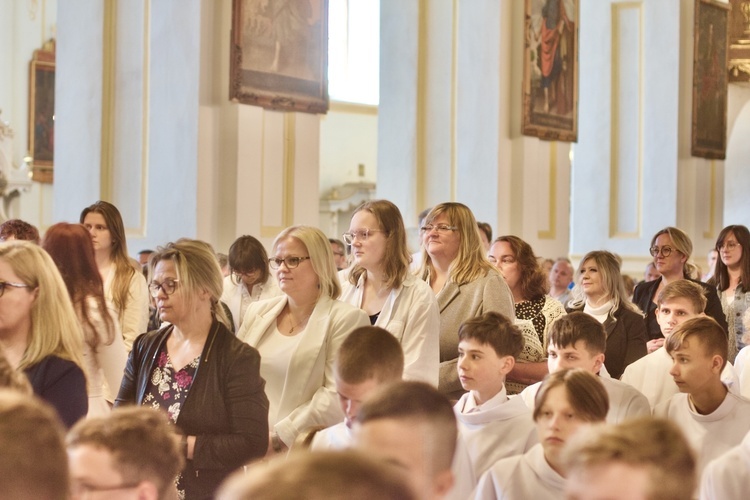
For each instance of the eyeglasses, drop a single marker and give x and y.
(3, 284)
(440, 228)
(289, 262)
(360, 234)
(169, 285)
(240, 274)
(665, 251)
(729, 245)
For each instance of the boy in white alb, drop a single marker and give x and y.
(493, 426)
(713, 419)
(368, 358)
(728, 476)
(678, 302)
(578, 340)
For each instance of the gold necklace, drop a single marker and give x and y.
(295, 325)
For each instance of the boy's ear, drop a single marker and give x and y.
(506, 364)
(598, 362)
(716, 363)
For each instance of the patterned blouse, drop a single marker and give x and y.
(168, 390)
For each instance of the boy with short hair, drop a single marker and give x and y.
(368, 358)
(413, 425)
(676, 303)
(644, 458)
(578, 340)
(493, 426)
(712, 418)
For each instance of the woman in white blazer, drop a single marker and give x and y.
(249, 278)
(298, 334)
(380, 284)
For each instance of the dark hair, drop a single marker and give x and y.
(721, 274)
(70, 247)
(496, 330)
(369, 352)
(533, 281)
(566, 330)
(486, 229)
(20, 230)
(248, 254)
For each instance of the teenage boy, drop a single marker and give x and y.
(712, 418)
(645, 458)
(368, 358)
(578, 340)
(492, 426)
(411, 424)
(676, 303)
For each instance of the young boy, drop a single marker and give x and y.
(368, 358)
(492, 426)
(578, 340)
(412, 425)
(644, 458)
(712, 418)
(676, 303)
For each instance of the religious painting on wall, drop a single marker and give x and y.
(710, 79)
(550, 70)
(279, 54)
(42, 112)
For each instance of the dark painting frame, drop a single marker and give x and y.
(279, 54)
(41, 143)
(710, 80)
(550, 70)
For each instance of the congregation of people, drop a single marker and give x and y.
(358, 368)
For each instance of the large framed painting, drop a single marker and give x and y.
(279, 54)
(710, 79)
(42, 112)
(550, 70)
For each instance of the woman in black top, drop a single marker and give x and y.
(206, 380)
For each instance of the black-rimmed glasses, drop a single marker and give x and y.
(169, 285)
(3, 284)
(289, 262)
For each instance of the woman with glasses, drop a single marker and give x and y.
(731, 274)
(463, 280)
(39, 331)
(104, 353)
(600, 292)
(124, 285)
(529, 285)
(194, 369)
(249, 279)
(671, 249)
(380, 284)
(298, 334)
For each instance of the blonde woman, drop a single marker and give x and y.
(298, 334)
(124, 284)
(463, 280)
(39, 330)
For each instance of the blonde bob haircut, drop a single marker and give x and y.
(471, 262)
(321, 257)
(682, 243)
(396, 258)
(585, 393)
(197, 270)
(608, 266)
(55, 330)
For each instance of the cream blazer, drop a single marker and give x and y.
(410, 314)
(232, 295)
(309, 395)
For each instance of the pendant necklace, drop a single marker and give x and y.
(295, 325)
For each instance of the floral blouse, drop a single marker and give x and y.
(169, 389)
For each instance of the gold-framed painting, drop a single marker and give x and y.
(710, 79)
(41, 143)
(550, 70)
(279, 54)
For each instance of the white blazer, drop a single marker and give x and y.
(410, 314)
(232, 295)
(309, 395)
